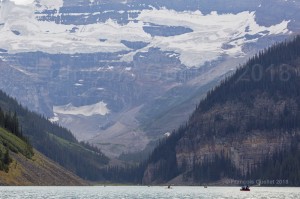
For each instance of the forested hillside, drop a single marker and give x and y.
(55, 142)
(20, 164)
(11, 139)
(248, 127)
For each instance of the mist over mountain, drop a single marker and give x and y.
(121, 74)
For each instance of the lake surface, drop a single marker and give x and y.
(120, 192)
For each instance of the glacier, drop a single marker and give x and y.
(87, 110)
(204, 44)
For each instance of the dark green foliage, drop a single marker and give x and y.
(5, 160)
(54, 141)
(214, 169)
(127, 174)
(85, 162)
(10, 122)
(283, 167)
(164, 157)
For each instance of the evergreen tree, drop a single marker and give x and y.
(6, 157)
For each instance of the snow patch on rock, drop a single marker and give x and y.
(99, 108)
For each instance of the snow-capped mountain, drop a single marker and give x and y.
(122, 73)
(194, 37)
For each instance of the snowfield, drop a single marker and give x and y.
(88, 110)
(24, 33)
(23, 2)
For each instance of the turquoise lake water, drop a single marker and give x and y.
(140, 192)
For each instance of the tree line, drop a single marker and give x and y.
(10, 122)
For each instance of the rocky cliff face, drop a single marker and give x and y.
(245, 148)
(245, 152)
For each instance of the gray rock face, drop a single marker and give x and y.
(120, 74)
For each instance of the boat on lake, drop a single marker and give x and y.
(245, 188)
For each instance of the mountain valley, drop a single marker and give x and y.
(118, 73)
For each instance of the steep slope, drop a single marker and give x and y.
(127, 58)
(55, 142)
(242, 128)
(34, 169)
